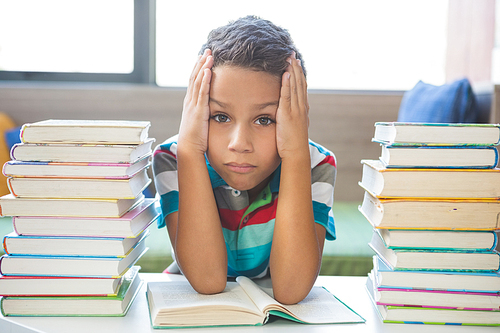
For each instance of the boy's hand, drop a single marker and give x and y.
(193, 131)
(292, 117)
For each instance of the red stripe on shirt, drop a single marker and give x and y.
(164, 151)
(230, 219)
(330, 160)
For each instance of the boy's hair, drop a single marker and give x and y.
(254, 43)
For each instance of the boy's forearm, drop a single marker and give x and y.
(296, 248)
(199, 245)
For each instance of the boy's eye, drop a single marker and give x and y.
(264, 121)
(220, 118)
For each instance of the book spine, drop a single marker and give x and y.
(495, 242)
(4, 169)
(435, 145)
(12, 151)
(126, 177)
(14, 224)
(68, 257)
(496, 156)
(1, 306)
(436, 323)
(419, 146)
(4, 244)
(434, 291)
(21, 134)
(53, 296)
(445, 249)
(9, 184)
(440, 307)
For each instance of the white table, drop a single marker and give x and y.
(351, 290)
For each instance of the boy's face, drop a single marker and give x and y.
(242, 132)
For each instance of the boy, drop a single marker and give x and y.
(243, 191)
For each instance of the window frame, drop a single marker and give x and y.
(144, 56)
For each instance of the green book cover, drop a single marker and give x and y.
(176, 304)
(436, 134)
(76, 306)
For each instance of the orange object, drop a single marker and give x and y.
(6, 123)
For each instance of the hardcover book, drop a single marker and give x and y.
(430, 183)
(442, 299)
(129, 225)
(439, 157)
(12, 206)
(58, 286)
(81, 306)
(436, 133)
(422, 213)
(70, 266)
(426, 315)
(86, 131)
(438, 239)
(75, 170)
(432, 280)
(14, 244)
(177, 304)
(85, 153)
(77, 188)
(437, 260)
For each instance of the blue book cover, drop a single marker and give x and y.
(436, 134)
(78, 246)
(428, 315)
(430, 157)
(436, 260)
(449, 240)
(19, 265)
(80, 306)
(387, 277)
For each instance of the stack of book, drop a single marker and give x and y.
(433, 199)
(79, 216)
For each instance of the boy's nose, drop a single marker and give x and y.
(241, 141)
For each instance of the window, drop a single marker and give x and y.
(91, 36)
(495, 70)
(347, 45)
(77, 40)
(361, 44)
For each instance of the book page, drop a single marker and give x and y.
(180, 294)
(319, 307)
(261, 298)
(322, 307)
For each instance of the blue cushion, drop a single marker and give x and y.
(450, 103)
(13, 136)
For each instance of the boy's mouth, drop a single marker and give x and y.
(240, 167)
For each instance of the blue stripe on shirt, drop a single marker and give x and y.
(322, 216)
(169, 203)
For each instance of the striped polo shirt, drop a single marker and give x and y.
(248, 228)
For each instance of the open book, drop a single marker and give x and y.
(176, 304)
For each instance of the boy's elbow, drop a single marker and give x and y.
(288, 290)
(208, 282)
(209, 286)
(289, 298)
